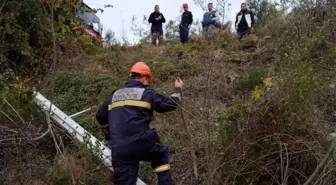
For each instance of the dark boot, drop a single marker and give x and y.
(165, 178)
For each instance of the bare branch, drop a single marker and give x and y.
(319, 166)
(13, 110)
(192, 148)
(10, 119)
(8, 129)
(49, 127)
(2, 6)
(7, 139)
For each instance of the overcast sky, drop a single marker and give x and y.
(119, 17)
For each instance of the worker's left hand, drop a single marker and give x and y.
(179, 83)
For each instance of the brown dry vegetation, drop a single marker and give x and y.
(259, 111)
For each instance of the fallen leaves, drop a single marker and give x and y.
(268, 81)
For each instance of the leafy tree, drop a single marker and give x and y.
(265, 10)
(141, 29)
(222, 7)
(172, 31)
(22, 29)
(110, 39)
(202, 4)
(196, 27)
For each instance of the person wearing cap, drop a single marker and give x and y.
(186, 21)
(127, 113)
(157, 19)
(209, 20)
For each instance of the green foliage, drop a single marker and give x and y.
(60, 177)
(251, 78)
(12, 88)
(299, 85)
(89, 123)
(228, 122)
(110, 39)
(265, 11)
(76, 91)
(187, 48)
(141, 29)
(26, 34)
(172, 32)
(22, 28)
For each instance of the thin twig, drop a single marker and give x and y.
(325, 67)
(281, 159)
(49, 127)
(208, 143)
(13, 109)
(10, 119)
(287, 165)
(7, 139)
(10, 130)
(3, 5)
(191, 143)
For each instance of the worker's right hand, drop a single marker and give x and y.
(179, 83)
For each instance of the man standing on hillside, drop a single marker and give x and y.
(244, 21)
(156, 19)
(186, 21)
(127, 114)
(209, 20)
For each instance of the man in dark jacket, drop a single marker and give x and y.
(186, 21)
(156, 19)
(127, 114)
(244, 21)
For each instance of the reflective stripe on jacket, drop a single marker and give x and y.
(129, 111)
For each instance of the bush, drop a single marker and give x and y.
(251, 79)
(76, 91)
(23, 30)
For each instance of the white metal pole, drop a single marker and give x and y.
(76, 115)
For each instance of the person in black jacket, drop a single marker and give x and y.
(186, 21)
(244, 21)
(156, 19)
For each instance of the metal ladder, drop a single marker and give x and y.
(75, 130)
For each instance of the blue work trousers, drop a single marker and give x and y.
(125, 161)
(184, 33)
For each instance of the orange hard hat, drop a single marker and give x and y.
(185, 5)
(142, 69)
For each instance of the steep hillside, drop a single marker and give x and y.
(257, 111)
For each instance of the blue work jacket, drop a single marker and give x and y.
(129, 111)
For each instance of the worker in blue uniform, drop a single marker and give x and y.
(186, 21)
(127, 114)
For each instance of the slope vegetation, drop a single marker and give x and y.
(257, 111)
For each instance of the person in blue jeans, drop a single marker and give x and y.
(209, 20)
(186, 21)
